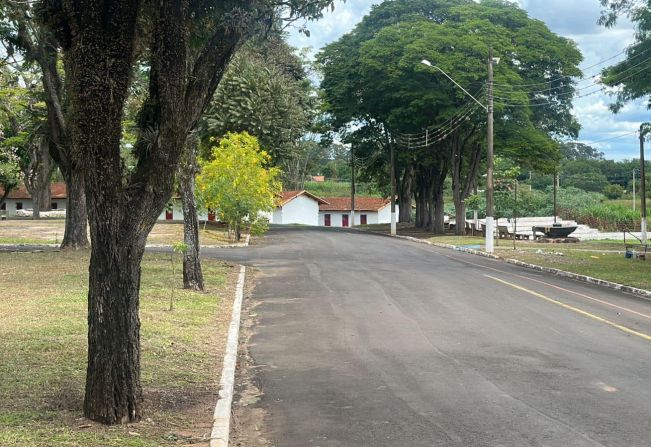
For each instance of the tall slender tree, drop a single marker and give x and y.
(21, 33)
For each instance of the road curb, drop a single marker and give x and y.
(222, 416)
(563, 273)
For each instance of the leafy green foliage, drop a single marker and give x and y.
(632, 76)
(373, 78)
(614, 192)
(265, 92)
(238, 182)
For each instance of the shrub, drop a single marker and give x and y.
(614, 191)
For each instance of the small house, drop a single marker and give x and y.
(368, 210)
(297, 207)
(20, 199)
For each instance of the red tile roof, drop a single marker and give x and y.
(361, 204)
(288, 196)
(57, 191)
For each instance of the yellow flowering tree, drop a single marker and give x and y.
(239, 183)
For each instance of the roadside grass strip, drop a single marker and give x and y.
(43, 350)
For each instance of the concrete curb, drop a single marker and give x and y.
(222, 416)
(565, 274)
(219, 437)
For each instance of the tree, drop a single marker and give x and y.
(238, 182)
(632, 76)
(188, 170)
(572, 150)
(614, 191)
(22, 117)
(266, 93)
(21, 33)
(187, 47)
(9, 172)
(373, 80)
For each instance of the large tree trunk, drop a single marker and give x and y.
(405, 195)
(113, 390)
(75, 235)
(192, 273)
(464, 176)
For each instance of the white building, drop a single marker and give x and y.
(368, 210)
(297, 207)
(20, 199)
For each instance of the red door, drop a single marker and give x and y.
(169, 215)
(211, 216)
(327, 220)
(363, 219)
(344, 220)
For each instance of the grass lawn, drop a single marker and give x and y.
(600, 259)
(51, 232)
(43, 353)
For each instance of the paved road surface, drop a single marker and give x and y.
(365, 340)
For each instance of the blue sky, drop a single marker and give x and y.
(574, 19)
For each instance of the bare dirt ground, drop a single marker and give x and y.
(23, 231)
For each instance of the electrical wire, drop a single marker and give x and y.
(583, 78)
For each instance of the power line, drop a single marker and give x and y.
(583, 78)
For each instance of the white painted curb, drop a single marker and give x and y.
(582, 278)
(222, 416)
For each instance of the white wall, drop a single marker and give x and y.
(10, 205)
(177, 212)
(372, 217)
(301, 210)
(277, 216)
(335, 217)
(384, 215)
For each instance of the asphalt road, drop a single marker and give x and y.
(365, 340)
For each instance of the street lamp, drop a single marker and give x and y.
(490, 222)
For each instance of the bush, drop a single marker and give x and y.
(614, 191)
(608, 217)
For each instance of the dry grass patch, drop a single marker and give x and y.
(23, 231)
(43, 353)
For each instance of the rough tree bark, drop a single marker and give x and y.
(75, 234)
(464, 177)
(405, 194)
(98, 39)
(188, 169)
(37, 175)
(439, 174)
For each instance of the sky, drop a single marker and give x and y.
(574, 19)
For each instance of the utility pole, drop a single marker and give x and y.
(393, 190)
(642, 186)
(352, 187)
(555, 194)
(633, 189)
(490, 224)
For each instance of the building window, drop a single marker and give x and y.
(327, 220)
(19, 205)
(3, 207)
(363, 219)
(54, 206)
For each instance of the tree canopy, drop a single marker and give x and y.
(378, 94)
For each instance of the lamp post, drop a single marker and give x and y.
(490, 222)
